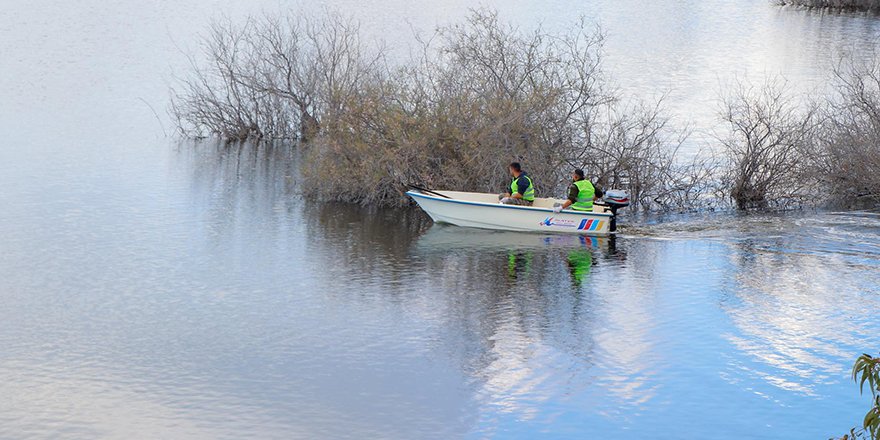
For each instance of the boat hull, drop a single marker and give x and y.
(480, 213)
(445, 238)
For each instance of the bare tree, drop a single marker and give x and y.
(633, 146)
(272, 76)
(847, 156)
(769, 134)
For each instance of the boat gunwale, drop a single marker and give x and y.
(498, 205)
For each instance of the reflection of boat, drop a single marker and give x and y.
(445, 238)
(482, 210)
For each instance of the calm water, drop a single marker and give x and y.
(154, 290)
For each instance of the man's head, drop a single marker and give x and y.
(578, 174)
(515, 169)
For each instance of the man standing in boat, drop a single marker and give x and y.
(522, 191)
(581, 193)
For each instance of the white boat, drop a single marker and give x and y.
(482, 210)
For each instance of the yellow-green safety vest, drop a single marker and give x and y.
(529, 196)
(586, 192)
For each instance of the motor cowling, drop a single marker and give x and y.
(616, 198)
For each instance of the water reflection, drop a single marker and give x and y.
(228, 301)
(542, 330)
(553, 311)
(366, 240)
(802, 313)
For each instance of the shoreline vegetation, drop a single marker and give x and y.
(478, 94)
(839, 5)
(866, 371)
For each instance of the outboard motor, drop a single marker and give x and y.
(615, 199)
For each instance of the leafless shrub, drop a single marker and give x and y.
(847, 156)
(633, 146)
(766, 146)
(783, 151)
(272, 77)
(844, 5)
(477, 95)
(484, 93)
(214, 99)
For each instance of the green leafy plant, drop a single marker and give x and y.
(866, 371)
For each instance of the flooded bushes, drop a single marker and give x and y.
(632, 146)
(847, 154)
(787, 151)
(765, 148)
(482, 93)
(478, 95)
(272, 77)
(851, 5)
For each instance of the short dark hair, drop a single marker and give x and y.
(579, 172)
(516, 166)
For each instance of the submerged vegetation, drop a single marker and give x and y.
(478, 94)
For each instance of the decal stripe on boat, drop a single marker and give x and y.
(590, 224)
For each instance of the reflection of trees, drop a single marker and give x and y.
(241, 183)
(371, 244)
(797, 311)
(257, 188)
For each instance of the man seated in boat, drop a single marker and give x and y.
(522, 191)
(581, 193)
